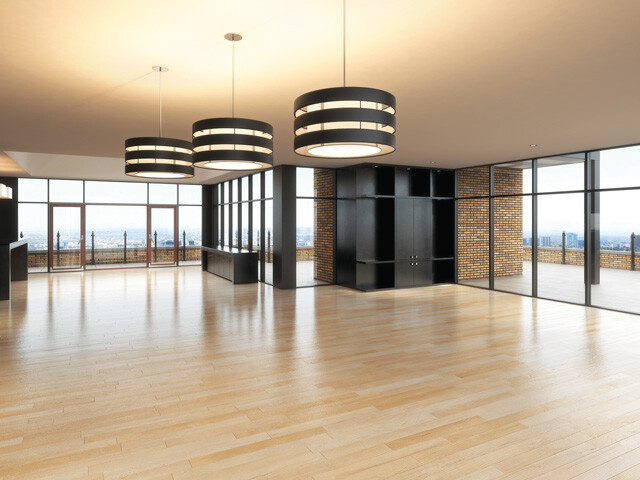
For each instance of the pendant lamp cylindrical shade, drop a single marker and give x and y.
(232, 144)
(158, 157)
(345, 122)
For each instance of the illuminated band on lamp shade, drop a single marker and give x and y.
(5, 192)
(345, 122)
(158, 157)
(232, 144)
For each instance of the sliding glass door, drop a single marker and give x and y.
(162, 245)
(66, 237)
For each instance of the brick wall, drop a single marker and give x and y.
(305, 254)
(508, 249)
(618, 260)
(473, 239)
(324, 186)
(473, 223)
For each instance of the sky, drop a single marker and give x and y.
(619, 211)
(104, 217)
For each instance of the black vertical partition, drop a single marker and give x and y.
(209, 220)
(8, 234)
(9, 212)
(284, 226)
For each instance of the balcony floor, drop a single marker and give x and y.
(617, 289)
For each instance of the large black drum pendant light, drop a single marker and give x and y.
(345, 122)
(158, 157)
(232, 143)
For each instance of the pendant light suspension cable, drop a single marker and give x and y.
(160, 101)
(233, 78)
(344, 43)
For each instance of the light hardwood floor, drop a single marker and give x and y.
(175, 374)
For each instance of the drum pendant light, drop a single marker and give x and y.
(158, 157)
(232, 143)
(345, 122)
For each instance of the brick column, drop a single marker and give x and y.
(324, 186)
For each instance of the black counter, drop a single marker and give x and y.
(13, 265)
(234, 264)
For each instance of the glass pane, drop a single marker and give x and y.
(304, 182)
(561, 270)
(189, 235)
(225, 188)
(106, 227)
(512, 244)
(190, 194)
(234, 190)
(67, 237)
(473, 182)
(234, 225)
(66, 191)
(162, 236)
(512, 178)
(33, 221)
(256, 186)
(32, 190)
(244, 182)
(617, 279)
(220, 220)
(268, 184)
(256, 226)
(268, 239)
(163, 193)
(219, 189)
(314, 242)
(245, 224)
(225, 225)
(563, 173)
(619, 167)
(473, 242)
(115, 192)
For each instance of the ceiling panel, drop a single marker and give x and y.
(476, 81)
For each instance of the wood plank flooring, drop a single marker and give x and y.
(175, 374)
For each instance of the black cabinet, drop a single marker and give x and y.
(413, 228)
(422, 273)
(404, 229)
(413, 274)
(389, 226)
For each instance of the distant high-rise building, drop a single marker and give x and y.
(545, 241)
(572, 240)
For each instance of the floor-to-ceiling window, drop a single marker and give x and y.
(315, 221)
(103, 224)
(614, 224)
(33, 220)
(512, 227)
(561, 227)
(245, 218)
(473, 226)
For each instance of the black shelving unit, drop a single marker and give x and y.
(395, 226)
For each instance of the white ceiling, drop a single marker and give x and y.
(477, 81)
